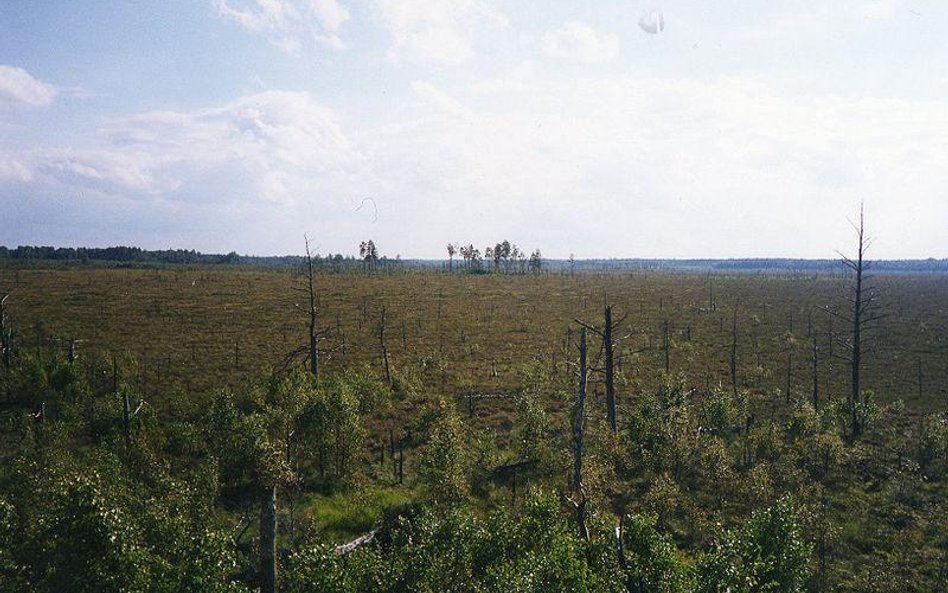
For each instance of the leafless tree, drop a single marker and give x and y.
(383, 347)
(311, 351)
(268, 540)
(579, 420)
(734, 350)
(6, 348)
(861, 316)
(607, 333)
(814, 361)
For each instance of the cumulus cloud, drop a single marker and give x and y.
(18, 88)
(653, 166)
(628, 165)
(274, 146)
(437, 31)
(13, 170)
(579, 41)
(289, 24)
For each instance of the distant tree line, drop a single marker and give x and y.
(503, 257)
(115, 254)
(369, 257)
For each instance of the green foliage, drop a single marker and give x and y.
(725, 410)
(84, 523)
(533, 550)
(371, 393)
(660, 430)
(769, 554)
(868, 412)
(654, 563)
(533, 430)
(445, 466)
(932, 442)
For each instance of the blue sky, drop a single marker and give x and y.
(742, 129)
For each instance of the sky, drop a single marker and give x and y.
(608, 128)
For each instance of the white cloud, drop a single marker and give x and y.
(634, 166)
(816, 20)
(579, 41)
(658, 167)
(13, 170)
(18, 88)
(275, 146)
(437, 31)
(289, 23)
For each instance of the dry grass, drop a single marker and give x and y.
(475, 333)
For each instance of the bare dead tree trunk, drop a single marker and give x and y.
(401, 464)
(789, 372)
(388, 374)
(578, 428)
(5, 346)
(609, 345)
(313, 316)
(815, 353)
(860, 317)
(919, 377)
(734, 351)
(127, 420)
(268, 540)
(620, 553)
(857, 311)
(607, 333)
(710, 294)
(666, 344)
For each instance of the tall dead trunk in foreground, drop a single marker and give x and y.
(607, 332)
(268, 540)
(857, 312)
(734, 351)
(5, 346)
(578, 427)
(816, 375)
(313, 317)
(384, 347)
(860, 315)
(609, 346)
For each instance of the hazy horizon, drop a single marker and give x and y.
(241, 125)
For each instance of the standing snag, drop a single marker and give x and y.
(607, 333)
(311, 351)
(860, 316)
(5, 346)
(579, 419)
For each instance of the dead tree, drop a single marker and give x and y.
(5, 340)
(127, 416)
(815, 356)
(918, 360)
(666, 345)
(268, 540)
(789, 371)
(383, 347)
(578, 428)
(607, 333)
(313, 333)
(734, 350)
(127, 420)
(860, 316)
(711, 303)
(608, 345)
(312, 349)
